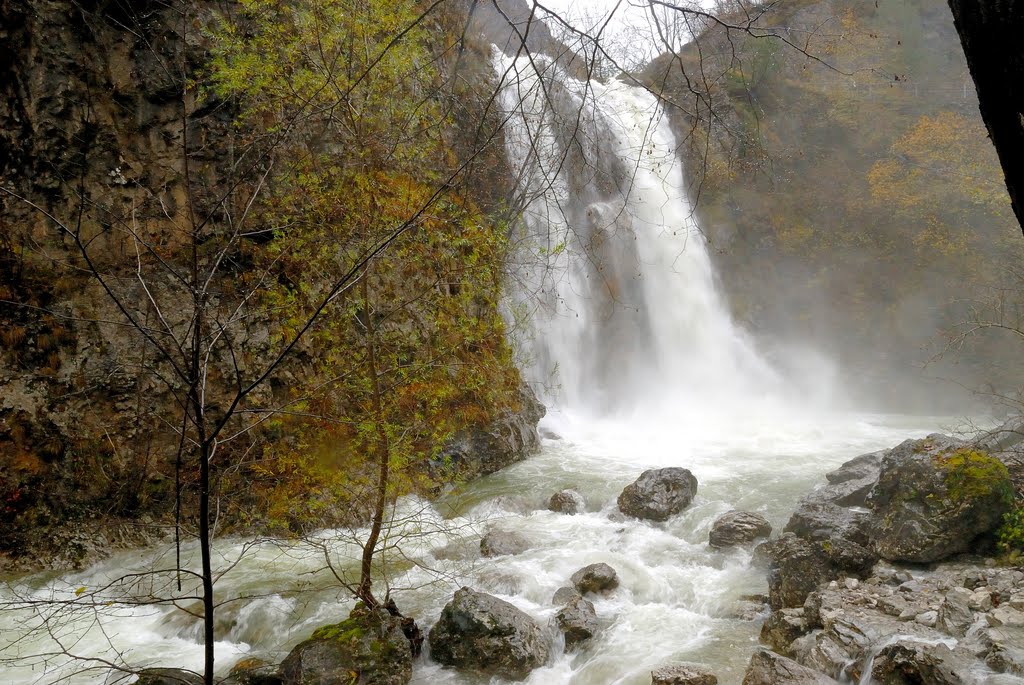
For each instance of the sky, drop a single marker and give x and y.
(629, 33)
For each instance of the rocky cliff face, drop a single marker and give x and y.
(103, 136)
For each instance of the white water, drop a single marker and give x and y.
(628, 336)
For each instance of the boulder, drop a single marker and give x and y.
(487, 635)
(821, 520)
(253, 671)
(738, 528)
(370, 643)
(769, 668)
(934, 497)
(905, 661)
(578, 622)
(564, 595)
(658, 494)
(795, 569)
(168, 676)
(595, 578)
(498, 543)
(683, 674)
(567, 502)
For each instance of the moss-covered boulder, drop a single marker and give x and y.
(933, 499)
(369, 648)
(487, 635)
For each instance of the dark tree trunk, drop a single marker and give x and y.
(992, 34)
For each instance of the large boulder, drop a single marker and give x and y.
(370, 643)
(658, 494)
(738, 528)
(683, 674)
(578, 622)
(497, 543)
(934, 497)
(487, 635)
(769, 668)
(595, 578)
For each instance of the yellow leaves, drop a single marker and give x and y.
(939, 154)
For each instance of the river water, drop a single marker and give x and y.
(623, 333)
(676, 600)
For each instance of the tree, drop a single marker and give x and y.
(990, 35)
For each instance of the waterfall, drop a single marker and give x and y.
(614, 296)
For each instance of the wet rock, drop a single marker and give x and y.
(955, 616)
(168, 676)
(906, 661)
(487, 635)
(683, 674)
(769, 668)
(498, 543)
(1004, 649)
(509, 438)
(796, 568)
(370, 643)
(578, 622)
(658, 494)
(782, 628)
(564, 595)
(738, 528)
(816, 520)
(934, 497)
(595, 578)
(567, 502)
(253, 671)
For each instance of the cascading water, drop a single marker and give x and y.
(623, 312)
(634, 349)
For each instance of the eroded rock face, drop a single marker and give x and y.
(578, 622)
(487, 635)
(370, 643)
(738, 528)
(567, 502)
(796, 568)
(683, 674)
(769, 668)
(507, 439)
(595, 578)
(658, 494)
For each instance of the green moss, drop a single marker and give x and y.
(971, 474)
(347, 631)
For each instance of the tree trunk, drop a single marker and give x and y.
(992, 35)
(365, 590)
